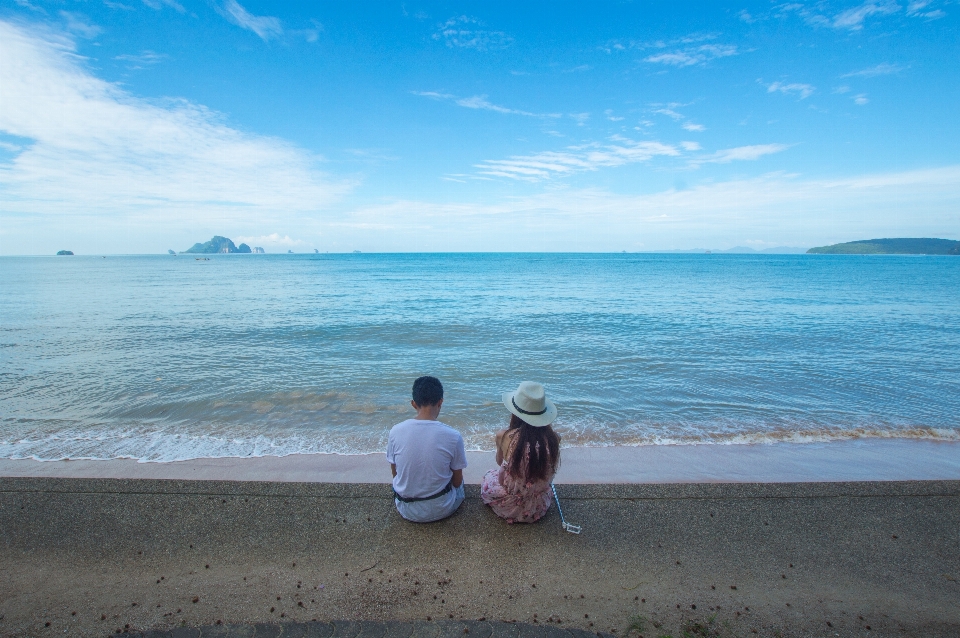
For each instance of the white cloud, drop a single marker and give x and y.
(574, 159)
(693, 55)
(463, 32)
(740, 153)
(783, 209)
(853, 19)
(100, 156)
(159, 4)
(670, 112)
(273, 240)
(690, 126)
(861, 99)
(916, 9)
(142, 59)
(79, 24)
(264, 26)
(580, 118)
(690, 146)
(880, 69)
(478, 102)
(804, 90)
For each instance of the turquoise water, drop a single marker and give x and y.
(164, 358)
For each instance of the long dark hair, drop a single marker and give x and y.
(544, 446)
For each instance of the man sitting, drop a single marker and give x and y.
(427, 459)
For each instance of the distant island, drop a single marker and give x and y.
(64, 252)
(902, 246)
(221, 245)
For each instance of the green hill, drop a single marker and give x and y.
(903, 246)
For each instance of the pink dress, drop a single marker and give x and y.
(514, 498)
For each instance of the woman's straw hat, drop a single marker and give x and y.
(529, 402)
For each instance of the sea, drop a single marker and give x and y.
(165, 358)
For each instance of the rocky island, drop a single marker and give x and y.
(64, 252)
(219, 244)
(899, 246)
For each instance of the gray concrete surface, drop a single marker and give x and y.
(378, 629)
(91, 557)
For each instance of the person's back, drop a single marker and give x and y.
(528, 453)
(427, 459)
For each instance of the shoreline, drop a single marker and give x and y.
(849, 460)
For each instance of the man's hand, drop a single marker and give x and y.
(457, 479)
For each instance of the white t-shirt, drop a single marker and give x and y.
(426, 453)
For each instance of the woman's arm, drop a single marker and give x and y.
(500, 446)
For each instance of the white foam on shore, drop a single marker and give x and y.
(854, 460)
(160, 446)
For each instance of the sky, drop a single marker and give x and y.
(137, 126)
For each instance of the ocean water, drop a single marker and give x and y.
(164, 358)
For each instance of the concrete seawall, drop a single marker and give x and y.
(93, 556)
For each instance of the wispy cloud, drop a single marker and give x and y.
(481, 102)
(99, 155)
(159, 4)
(80, 25)
(853, 18)
(670, 110)
(803, 90)
(693, 55)
(742, 153)
(783, 209)
(917, 9)
(575, 159)
(264, 26)
(467, 33)
(145, 58)
(861, 99)
(874, 71)
(579, 69)
(273, 240)
(478, 102)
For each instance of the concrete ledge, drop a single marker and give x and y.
(377, 629)
(646, 491)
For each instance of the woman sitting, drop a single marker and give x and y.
(528, 453)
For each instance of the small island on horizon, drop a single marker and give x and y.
(895, 246)
(224, 245)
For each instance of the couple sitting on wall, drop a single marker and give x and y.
(427, 458)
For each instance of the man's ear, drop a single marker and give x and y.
(415, 406)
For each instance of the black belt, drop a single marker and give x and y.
(445, 490)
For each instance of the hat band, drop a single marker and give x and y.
(522, 411)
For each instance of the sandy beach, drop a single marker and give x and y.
(854, 460)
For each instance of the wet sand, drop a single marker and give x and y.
(857, 460)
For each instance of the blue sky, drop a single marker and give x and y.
(133, 126)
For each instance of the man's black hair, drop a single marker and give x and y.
(427, 391)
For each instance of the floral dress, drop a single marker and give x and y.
(514, 498)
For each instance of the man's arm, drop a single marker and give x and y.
(393, 468)
(457, 479)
